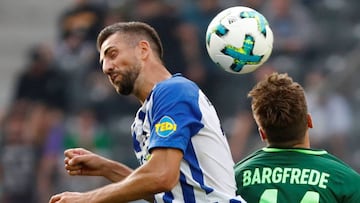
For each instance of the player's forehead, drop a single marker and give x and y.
(114, 40)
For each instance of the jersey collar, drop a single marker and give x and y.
(299, 150)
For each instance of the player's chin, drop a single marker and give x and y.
(124, 89)
(116, 87)
(122, 92)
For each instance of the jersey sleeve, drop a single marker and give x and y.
(351, 186)
(176, 115)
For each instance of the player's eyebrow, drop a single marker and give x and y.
(106, 51)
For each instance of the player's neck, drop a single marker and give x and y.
(305, 143)
(302, 145)
(148, 78)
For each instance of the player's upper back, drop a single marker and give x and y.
(296, 175)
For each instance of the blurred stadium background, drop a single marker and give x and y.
(54, 96)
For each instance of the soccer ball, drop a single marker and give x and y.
(239, 39)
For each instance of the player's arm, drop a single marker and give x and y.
(161, 173)
(82, 162)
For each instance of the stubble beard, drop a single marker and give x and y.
(129, 76)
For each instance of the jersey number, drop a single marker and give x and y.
(270, 196)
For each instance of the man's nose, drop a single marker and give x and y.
(107, 67)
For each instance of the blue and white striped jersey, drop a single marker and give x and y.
(178, 115)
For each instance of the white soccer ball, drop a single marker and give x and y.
(239, 39)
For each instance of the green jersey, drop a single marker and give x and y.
(273, 175)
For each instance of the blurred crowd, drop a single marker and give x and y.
(63, 100)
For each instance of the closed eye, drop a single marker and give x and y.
(112, 55)
(108, 53)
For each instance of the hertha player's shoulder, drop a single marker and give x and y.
(177, 85)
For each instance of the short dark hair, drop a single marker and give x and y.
(279, 105)
(136, 31)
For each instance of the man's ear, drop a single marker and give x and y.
(144, 48)
(262, 134)
(309, 121)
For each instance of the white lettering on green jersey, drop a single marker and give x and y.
(268, 175)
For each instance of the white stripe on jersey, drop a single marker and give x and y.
(206, 171)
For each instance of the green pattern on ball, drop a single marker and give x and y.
(243, 55)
